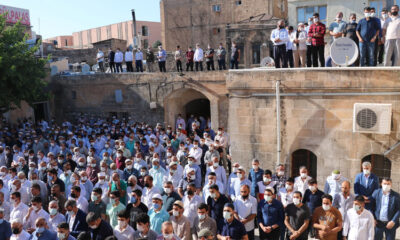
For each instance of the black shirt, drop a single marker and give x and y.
(59, 182)
(102, 232)
(297, 216)
(134, 212)
(216, 209)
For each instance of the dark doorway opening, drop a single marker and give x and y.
(198, 107)
(381, 166)
(303, 157)
(41, 111)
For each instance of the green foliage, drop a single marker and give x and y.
(156, 44)
(21, 73)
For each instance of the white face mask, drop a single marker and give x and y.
(386, 187)
(215, 164)
(240, 175)
(296, 201)
(366, 171)
(288, 187)
(267, 180)
(303, 175)
(316, 20)
(366, 15)
(312, 188)
(268, 198)
(326, 207)
(167, 190)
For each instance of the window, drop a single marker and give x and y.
(145, 43)
(216, 31)
(238, 3)
(304, 13)
(145, 31)
(66, 42)
(256, 53)
(381, 166)
(216, 8)
(377, 4)
(303, 157)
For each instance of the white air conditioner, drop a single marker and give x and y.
(153, 105)
(372, 118)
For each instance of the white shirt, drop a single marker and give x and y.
(22, 236)
(19, 212)
(148, 195)
(24, 195)
(206, 191)
(118, 58)
(100, 58)
(7, 209)
(357, 227)
(285, 197)
(30, 222)
(190, 207)
(104, 187)
(57, 219)
(175, 179)
(302, 40)
(198, 55)
(82, 204)
(128, 56)
(245, 208)
(282, 34)
(220, 172)
(301, 185)
(127, 234)
(392, 26)
(196, 152)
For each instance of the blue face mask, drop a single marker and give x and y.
(155, 167)
(1, 221)
(156, 206)
(40, 230)
(50, 178)
(133, 200)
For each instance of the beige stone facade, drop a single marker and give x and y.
(187, 22)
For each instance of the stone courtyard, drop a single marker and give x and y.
(316, 111)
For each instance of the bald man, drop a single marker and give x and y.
(42, 231)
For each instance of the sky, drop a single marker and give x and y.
(62, 17)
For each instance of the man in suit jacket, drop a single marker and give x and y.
(366, 183)
(386, 210)
(77, 216)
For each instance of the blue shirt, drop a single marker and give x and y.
(235, 229)
(138, 57)
(338, 27)
(157, 219)
(216, 209)
(367, 29)
(46, 235)
(255, 177)
(383, 215)
(313, 200)
(236, 185)
(282, 34)
(270, 213)
(5, 229)
(163, 55)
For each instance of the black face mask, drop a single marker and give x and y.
(245, 196)
(281, 27)
(130, 184)
(1, 151)
(395, 13)
(147, 185)
(190, 192)
(73, 195)
(15, 231)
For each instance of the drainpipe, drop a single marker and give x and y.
(278, 122)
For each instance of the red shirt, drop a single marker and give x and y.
(190, 56)
(317, 28)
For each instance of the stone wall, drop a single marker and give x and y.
(321, 124)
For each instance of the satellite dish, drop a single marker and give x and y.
(85, 68)
(344, 51)
(267, 62)
(53, 70)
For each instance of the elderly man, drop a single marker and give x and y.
(157, 172)
(180, 223)
(333, 183)
(167, 232)
(298, 39)
(119, 185)
(365, 184)
(18, 233)
(17, 187)
(157, 214)
(76, 218)
(392, 38)
(237, 183)
(42, 231)
(63, 232)
(169, 196)
(338, 27)
(279, 37)
(55, 216)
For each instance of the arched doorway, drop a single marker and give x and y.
(304, 157)
(187, 101)
(198, 108)
(381, 165)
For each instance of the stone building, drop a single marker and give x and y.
(187, 22)
(316, 112)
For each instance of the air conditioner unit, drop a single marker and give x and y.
(372, 118)
(153, 105)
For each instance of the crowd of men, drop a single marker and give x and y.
(378, 39)
(120, 179)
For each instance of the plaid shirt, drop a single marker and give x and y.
(317, 28)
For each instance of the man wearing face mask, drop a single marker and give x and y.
(285, 194)
(327, 220)
(350, 32)
(175, 173)
(18, 233)
(157, 214)
(246, 210)
(317, 32)
(180, 223)
(123, 231)
(35, 211)
(96, 204)
(190, 201)
(381, 45)
(169, 196)
(343, 202)
(367, 32)
(129, 170)
(232, 228)
(192, 165)
(359, 223)
(392, 38)
(270, 216)
(366, 183)
(56, 217)
(149, 191)
(42, 232)
(221, 57)
(219, 171)
(63, 232)
(237, 183)
(114, 207)
(135, 207)
(203, 222)
(81, 201)
(333, 183)
(157, 172)
(120, 186)
(143, 228)
(76, 218)
(387, 210)
(98, 228)
(211, 180)
(255, 176)
(338, 27)
(301, 182)
(280, 37)
(297, 218)
(216, 202)
(279, 177)
(5, 226)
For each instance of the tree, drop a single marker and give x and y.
(156, 44)
(21, 72)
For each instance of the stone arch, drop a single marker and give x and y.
(381, 165)
(176, 102)
(303, 157)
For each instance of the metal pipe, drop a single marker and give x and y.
(278, 122)
(134, 29)
(326, 94)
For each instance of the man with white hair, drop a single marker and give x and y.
(55, 216)
(103, 184)
(25, 183)
(17, 187)
(173, 174)
(18, 233)
(192, 164)
(366, 183)
(237, 183)
(85, 182)
(219, 171)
